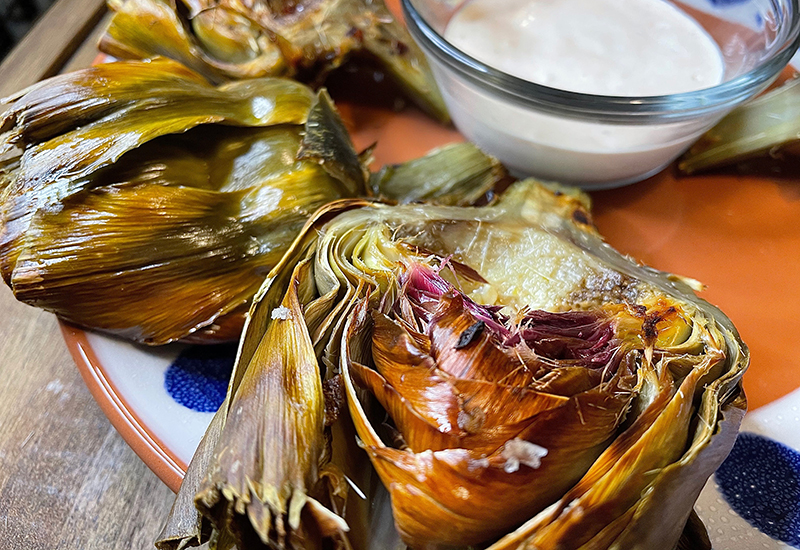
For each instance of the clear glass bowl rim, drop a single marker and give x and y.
(613, 109)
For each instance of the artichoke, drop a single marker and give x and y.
(765, 127)
(514, 381)
(132, 185)
(231, 40)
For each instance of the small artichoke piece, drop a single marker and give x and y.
(505, 350)
(229, 40)
(768, 126)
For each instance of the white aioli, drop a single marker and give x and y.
(603, 47)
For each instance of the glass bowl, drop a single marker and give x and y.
(531, 127)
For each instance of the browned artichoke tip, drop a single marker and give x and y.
(305, 40)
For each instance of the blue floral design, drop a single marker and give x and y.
(198, 378)
(761, 482)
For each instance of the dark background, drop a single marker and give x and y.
(16, 18)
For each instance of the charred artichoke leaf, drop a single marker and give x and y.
(768, 125)
(328, 143)
(267, 461)
(645, 373)
(67, 101)
(234, 40)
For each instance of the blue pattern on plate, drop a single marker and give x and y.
(761, 482)
(198, 378)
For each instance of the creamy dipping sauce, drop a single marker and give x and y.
(603, 47)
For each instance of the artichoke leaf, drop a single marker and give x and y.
(768, 125)
(327, 142)
(70, 100)
(459, 174)
(223, 203)
(185, 527)
(275, 424)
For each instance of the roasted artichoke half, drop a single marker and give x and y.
(140, 200)
(304, 39)
(513, 380)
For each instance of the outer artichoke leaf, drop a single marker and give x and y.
(659, 515)
(327, 142)
(80, 152)
(632, 470)
(276, 426)
(764, 126)
(185, 527)
(67, 101)
(459, 174)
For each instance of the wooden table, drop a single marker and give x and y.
(67, 479)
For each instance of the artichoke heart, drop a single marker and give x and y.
(231, 40)
(514, 381)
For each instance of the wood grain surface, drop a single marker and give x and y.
(67, 479)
